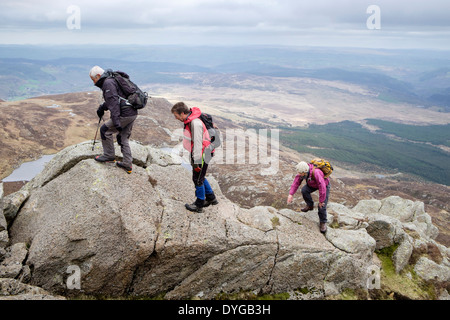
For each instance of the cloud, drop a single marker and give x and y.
(231, 20)
(170, 13)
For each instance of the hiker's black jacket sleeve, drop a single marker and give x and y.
(112, 102)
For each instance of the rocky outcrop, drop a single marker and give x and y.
(13, 258)
(11, 289)
(14, 275)
(91, 228)
(403, 223)
(4, 238)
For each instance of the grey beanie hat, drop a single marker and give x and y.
(302, 167)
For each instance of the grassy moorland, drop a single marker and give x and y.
(349, 142)
(433, 134)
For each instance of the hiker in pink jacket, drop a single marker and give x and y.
(314, 181)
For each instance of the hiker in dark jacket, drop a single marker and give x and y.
(196, 139)
(121, 121)
(314, 181)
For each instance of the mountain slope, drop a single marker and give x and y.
(46, 125)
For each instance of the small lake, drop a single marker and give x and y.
(28, 170)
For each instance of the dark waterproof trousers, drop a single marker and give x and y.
(202, 186)
(107, 132)
(306, 193)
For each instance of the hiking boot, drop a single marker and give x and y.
(197, 206)
(104, 158)
(307, 208)
(323, 227)
(128, 169)
(210, 200)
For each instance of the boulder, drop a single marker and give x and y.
(423, 222)
(1, 205)
(431, 271)
(367, 207)
(117, 234)
(130, 234)
(70, 156)
(353, 241)
(385, 230)
(444, 295)
(410, 213)
(13, 202)
(402, 254)
(347, 218)
(4, 237)
(162, 157)
(3, 224)
(398, 208)
(89, 217)
(11, 264)
(389, 220)
(11, 289)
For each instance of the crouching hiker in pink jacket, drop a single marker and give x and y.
(314, 181)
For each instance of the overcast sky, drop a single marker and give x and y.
(402, 23)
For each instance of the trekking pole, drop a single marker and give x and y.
(98, 126)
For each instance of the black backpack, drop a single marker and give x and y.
(213, 131)
(133, 95)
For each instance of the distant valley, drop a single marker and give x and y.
(416, 78)
(53, 122)
(382, 117)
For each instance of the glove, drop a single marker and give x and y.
(119, 128)
(197, 167)
(100, 112)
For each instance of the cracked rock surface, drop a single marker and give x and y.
(131, 235)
